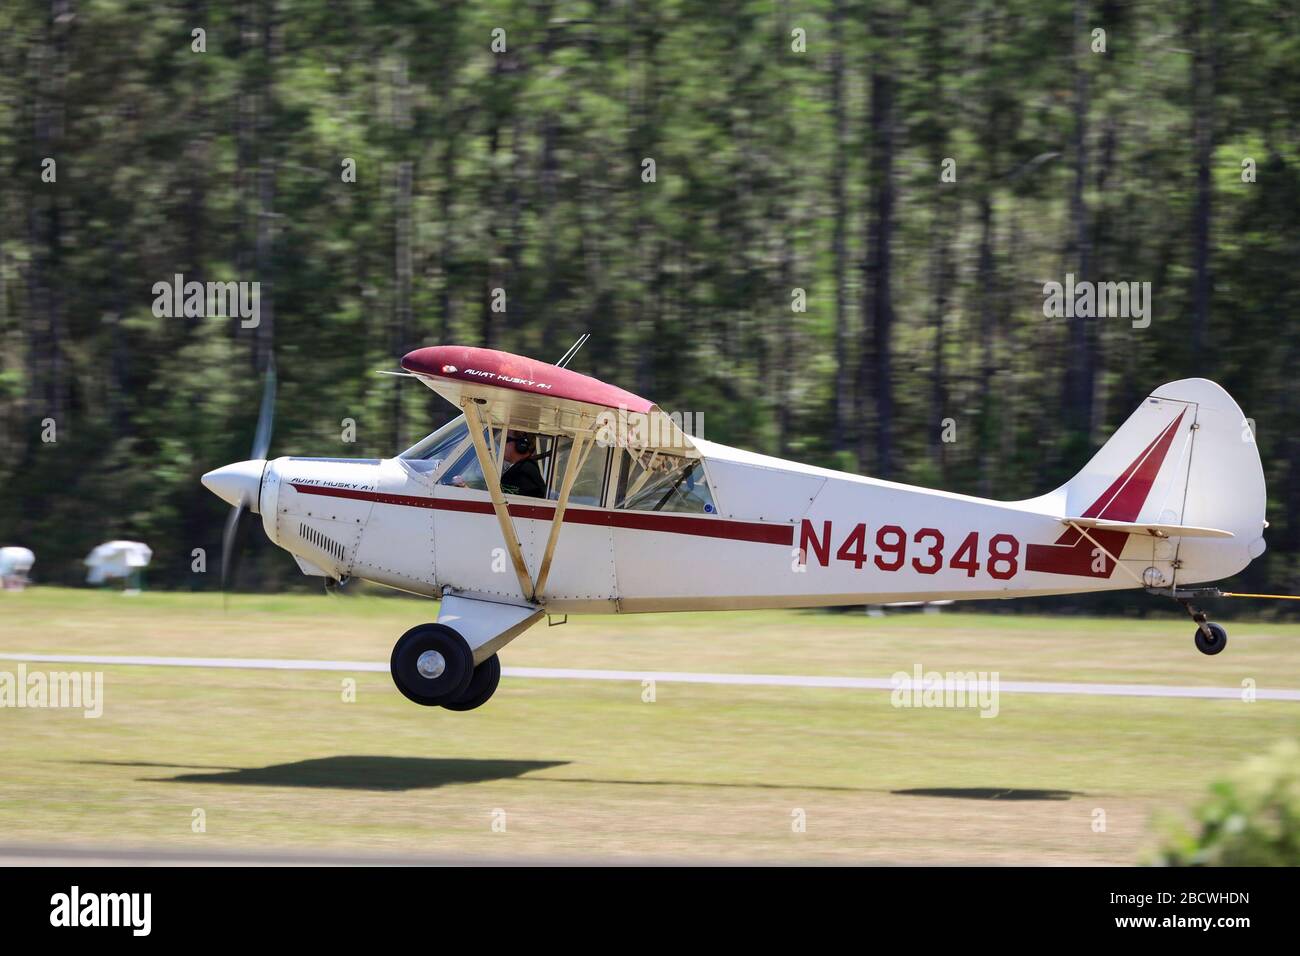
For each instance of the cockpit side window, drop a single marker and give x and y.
(666, 483)
(589, 484)
(465, 471)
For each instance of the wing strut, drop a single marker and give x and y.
(583, 443)
(1074, 523)
(500, 449)
(578, 452)
(493, 480)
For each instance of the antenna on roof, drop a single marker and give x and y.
(573, 350)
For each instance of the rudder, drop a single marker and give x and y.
(1186, 456)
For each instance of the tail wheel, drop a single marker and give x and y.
(431, 664)
(1213, 644)
(481, 686)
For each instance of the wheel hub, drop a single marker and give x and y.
(431, 664)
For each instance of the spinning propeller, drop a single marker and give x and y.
(239, 484)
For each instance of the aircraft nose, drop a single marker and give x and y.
(238, 482)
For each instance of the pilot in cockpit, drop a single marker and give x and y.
(523, 476)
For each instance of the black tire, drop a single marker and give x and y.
(458, 664)
(481, 686)
(1212, 646)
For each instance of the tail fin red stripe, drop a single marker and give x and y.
(1122, 501)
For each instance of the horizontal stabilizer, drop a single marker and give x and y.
(1155, 530)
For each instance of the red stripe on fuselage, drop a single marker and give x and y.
(632, 520)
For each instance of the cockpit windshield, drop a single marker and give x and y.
(431, 450)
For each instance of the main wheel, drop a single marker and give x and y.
(431, 664)
(1208, 646)
(481, 686)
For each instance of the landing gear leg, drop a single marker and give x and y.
(1211, 638)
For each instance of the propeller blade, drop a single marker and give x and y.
(228, 543)
(266, 415)
(261, 445)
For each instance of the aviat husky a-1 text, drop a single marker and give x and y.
(627, 513)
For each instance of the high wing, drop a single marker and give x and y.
(512, 391)
(500, 392)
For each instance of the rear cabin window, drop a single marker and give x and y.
(665, 483)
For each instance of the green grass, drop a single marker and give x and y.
(279, 759)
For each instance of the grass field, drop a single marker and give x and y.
(586, 769)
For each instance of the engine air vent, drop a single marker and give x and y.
(321, 541)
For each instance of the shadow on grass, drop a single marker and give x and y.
(423, 773)
(727, 785)
(358, 773)
(985, 793)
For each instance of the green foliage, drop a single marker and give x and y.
(525, 175)
(1252, 818)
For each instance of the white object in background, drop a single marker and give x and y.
(15, 563)
(118, 559)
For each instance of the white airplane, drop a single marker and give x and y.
(630, 514)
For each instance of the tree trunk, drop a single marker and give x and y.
(243, 240)
(196, 165)
(46, 361)
(1077, 411)
(492, 278)
(842, 430)
(447, 247)
(264, 333)
(987, 333)
(1204, 77)
(401, 336)
(876, 375)
(944, 213)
